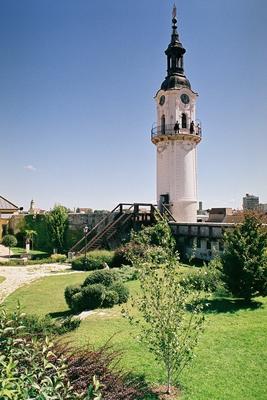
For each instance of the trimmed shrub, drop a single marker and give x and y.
(94, 260)
(121, 290)
(70, 291)
(76, 304)
(89, 298)
(105, 277)
(111, 298)
(59, 258)
(93, 296)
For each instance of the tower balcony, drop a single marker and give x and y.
(172, 132)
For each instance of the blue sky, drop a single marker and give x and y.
(77, 80)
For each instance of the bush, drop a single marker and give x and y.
(207, 278)
(47, 326)
(29, 368)
(120, 257)
(58, 258)
(105, 277)
(76, 304)
(94, 260)
(111, 298)
(121, 290)
(127, 273)
(89, 298)
(70, 291)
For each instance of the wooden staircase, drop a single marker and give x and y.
(121, 219)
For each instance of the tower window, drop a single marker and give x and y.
(163, 124)
(184, 121)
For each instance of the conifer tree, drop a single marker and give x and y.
(244, 264)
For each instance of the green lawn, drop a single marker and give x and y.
(2, 279)
(231, 362)
(18, 251)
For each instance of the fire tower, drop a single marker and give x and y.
(176, 135)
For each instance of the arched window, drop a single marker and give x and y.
(163, 124)
(184, 121)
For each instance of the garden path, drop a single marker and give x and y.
(20, 276)
(4, 253)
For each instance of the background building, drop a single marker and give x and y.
(250, 202)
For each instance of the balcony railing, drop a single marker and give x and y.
(171, 130)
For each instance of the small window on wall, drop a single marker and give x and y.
(184, 121)
(163, 124)
(208, 245)
(198, 243)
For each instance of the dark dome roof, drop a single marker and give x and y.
(175, 82)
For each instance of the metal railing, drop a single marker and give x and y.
(173, 131)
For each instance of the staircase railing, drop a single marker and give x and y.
(167, 211)
(111, 225)
(118, 217)
(104, 221)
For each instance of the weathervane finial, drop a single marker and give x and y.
(174, 12)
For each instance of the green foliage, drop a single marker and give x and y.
(38, 223)
(94, 392)
(244, 263)
(30, 234)
(167, 327)
(121, 290)
(28, 367)
(89, 298)
(15, 262)
(9, 241)
(153, 245)
(46, 325)
(58, 258)
(127, 273)
(105, 277)
(207, 278)
(120, 256)
(111, 298)
(70, 291)
(57, 222)
(100, 289)
(95, 259)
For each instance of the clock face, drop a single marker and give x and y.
(185, 98)
(162, 100)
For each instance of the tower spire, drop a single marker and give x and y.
(175, 63)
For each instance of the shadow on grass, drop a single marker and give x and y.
(228, 305)
(60, 314)
(139, 381)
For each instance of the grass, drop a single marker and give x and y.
(18, 251)
(2, 279)
(231, 356)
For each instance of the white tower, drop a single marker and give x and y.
(176, 135)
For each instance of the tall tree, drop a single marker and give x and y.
(244, 263)
(57, 222)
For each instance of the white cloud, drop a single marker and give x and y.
(30, 168)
